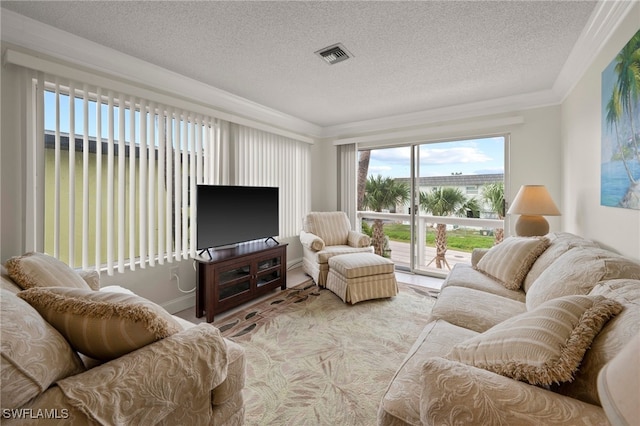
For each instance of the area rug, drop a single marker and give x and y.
(314, 360)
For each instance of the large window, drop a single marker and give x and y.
(120, 174)
(456, 189)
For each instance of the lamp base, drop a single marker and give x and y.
(531, 226)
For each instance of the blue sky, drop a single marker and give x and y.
(469, 157)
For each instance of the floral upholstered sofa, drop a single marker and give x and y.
(76, 354)
(519, 338)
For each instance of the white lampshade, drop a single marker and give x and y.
(531, 203)
(533, 200)
(619, 385)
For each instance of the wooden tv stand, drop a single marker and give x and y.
(237, 275)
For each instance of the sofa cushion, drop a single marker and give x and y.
(6, 282)
(41, 270)
(561, 242)
(464, 275)
(102, 325)
(474, 309)
(34, 354)
(401, 401)
(510, 261)
(577, 271)
(543, 346)
(611, 339)
(327, 253)
(458, 394)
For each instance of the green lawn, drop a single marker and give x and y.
(462, 239)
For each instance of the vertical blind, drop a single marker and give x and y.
(120, 174)
(265, 159)
(348, 181)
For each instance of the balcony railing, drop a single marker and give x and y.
(425, 254)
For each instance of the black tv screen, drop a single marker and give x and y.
(228, 215)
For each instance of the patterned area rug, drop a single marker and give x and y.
(314, 360)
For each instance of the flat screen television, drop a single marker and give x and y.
(227, 215)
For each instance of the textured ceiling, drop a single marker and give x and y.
(408, 56)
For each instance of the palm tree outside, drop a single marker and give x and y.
(363, 170)
(445, 201)
(493, 196)
(380, 194)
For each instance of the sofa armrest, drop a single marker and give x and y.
(177, 373)
(455, 393)
(311, 241)
(477, 254)
(358, 239)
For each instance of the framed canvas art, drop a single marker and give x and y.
(620, 152)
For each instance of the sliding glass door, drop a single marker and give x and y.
(434, 202)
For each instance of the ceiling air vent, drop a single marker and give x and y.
(334, 54)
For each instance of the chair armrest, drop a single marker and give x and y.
(477, 254)
(358, 239)
(177, 373)
(455, 393)
(311, 241)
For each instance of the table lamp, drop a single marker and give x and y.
(531, 203)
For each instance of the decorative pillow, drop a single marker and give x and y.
(102, 325)
(560, 243)
(41, 270)
(92, 278)
(543, 346)
(510, 261)
(577, 271)
(34, 354)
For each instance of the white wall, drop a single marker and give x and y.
(324, 176)
(11, 168)
(535, 152)
(615, 228)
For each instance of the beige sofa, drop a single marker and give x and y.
(450, 374)
(191, 377)
(328, 234)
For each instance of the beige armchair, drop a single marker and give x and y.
(327, 234)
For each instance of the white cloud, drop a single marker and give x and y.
(453, 155)
(382, 170)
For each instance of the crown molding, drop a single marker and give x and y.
(437, 115)
(44, 39)
(606, 17)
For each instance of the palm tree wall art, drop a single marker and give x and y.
(620, 159)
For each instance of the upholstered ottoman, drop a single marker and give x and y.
(356, 277)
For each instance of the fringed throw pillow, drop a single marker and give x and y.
(510, 261)
(102, 325)
(542, 346)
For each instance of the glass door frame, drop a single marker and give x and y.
(414, 202)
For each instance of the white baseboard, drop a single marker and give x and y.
(181, 303)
